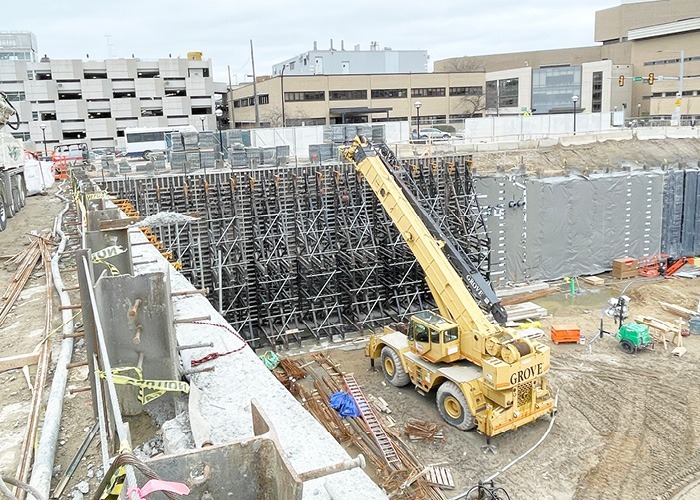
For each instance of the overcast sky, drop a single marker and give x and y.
(222, 29)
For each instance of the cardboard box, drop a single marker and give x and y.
(623, 268)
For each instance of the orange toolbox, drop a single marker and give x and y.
(565, 333)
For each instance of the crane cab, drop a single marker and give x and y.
(433, 337)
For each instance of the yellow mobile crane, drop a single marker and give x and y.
(487, 377)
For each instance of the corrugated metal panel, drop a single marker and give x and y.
(664, 29)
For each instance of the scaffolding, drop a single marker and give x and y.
(290, 253)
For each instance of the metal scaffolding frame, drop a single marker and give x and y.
(290, 253)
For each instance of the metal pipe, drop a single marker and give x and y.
(48, 442)
(359, 461)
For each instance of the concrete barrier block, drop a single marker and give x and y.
(681, 133)
(528, 144)
(465, 148)
(487, 147)
(617, 135)
(548, 142)
(508, 146)
(576, 140)
(645, 134)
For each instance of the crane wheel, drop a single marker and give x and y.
(453, 407)
(628, 346)
(3, 210)
(393, 368)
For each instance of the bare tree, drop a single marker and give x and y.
(473, 104)
(462, 65)
(273, 116)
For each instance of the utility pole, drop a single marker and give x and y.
(255, 88)
(231, 121)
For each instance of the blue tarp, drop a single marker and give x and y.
(344, 404)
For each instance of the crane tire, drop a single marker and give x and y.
(3, 210)
(393, 368)
(453, 407)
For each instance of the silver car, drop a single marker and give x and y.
(434, 134)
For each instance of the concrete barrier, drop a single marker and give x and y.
(617, 135)
(645, 134)
(577, 140)
(487, 147)
(528, 144)
(681, 133)
(548, 142)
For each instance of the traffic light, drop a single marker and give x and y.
(621, 81)
(651, 78)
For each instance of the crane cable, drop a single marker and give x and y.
(516, 460)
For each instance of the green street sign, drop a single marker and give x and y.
(638, 78)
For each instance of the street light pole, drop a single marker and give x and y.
(219, 113)
(639, 110)
(43, 133)
(284, 122)
(202, 119)
(418, 104)
(574, 99)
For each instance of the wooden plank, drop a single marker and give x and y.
(19, 361)
(593, 280)
(678, 310)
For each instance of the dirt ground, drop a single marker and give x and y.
(628, 426)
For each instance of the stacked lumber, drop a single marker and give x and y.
(525, 311)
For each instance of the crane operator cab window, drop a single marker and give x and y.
(429, 333)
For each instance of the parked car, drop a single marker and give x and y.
(434, 134)
(460, 134)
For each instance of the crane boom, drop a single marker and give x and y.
(441, 350)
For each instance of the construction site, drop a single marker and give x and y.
(490, 293)
(214, 330)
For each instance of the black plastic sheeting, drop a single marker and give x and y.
(680, 236)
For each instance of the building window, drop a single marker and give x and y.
(492, 94)
(263, 99)
(553, 87)
(298, 122)
(43, 75)
(95, 75)
(200, 111)
(305, 96)
(30, 75)
(148, 73)
(100, 114)
(16, 96)
(22, 136)
(35, 116)
(389, 93)
(48, 116)
(152, 112)
(66, 96)
(120, 94)
(428, 92)
(508, 93)
(466, 90)
(597, 94)
(346, 95)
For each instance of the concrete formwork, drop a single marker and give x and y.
(294, 252)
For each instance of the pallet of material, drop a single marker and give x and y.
(441, 477)
(526, 310)
(593, 280)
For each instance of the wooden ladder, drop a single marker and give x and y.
(383, 441)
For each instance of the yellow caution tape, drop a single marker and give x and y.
(116, 484)
(156, 388)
